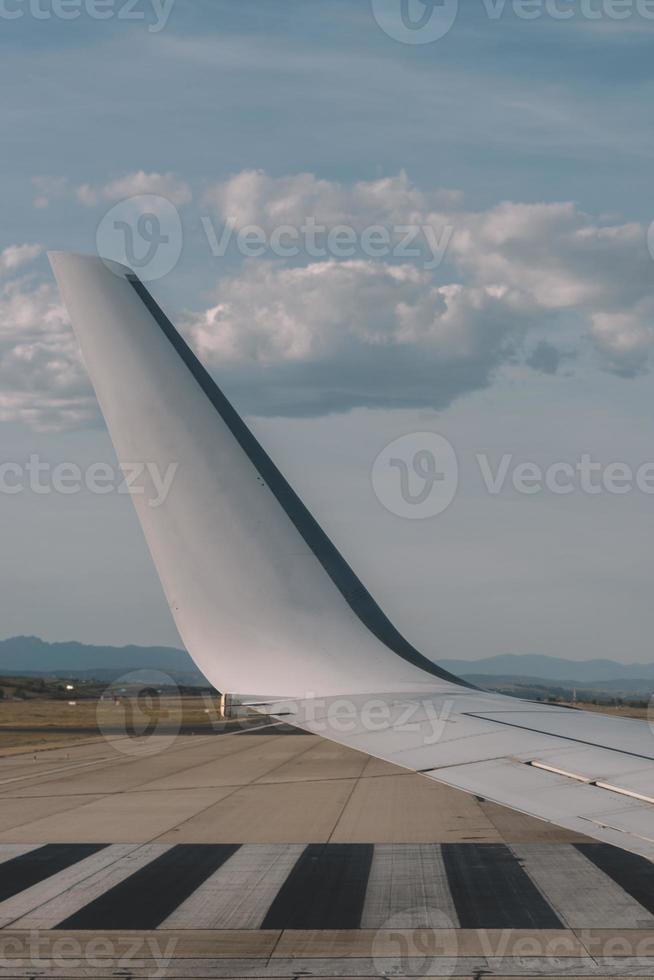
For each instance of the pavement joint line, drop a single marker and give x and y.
(94, 796)
(15, 751)
(285, 762)
(120, 759)
(277, 782)
(52, 772)
(153, 840)
(343, 808)
(221, 800)
(229, 755)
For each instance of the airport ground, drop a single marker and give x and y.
(240, 853)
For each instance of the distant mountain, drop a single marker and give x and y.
(31, 655)
(534, 665)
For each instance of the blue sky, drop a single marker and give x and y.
(542, 126)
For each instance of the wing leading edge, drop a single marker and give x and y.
(265, 603)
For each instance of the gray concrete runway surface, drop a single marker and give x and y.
(262, 855)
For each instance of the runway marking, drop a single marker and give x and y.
(490, 889)
(583, 895)
(9, 851)
(406, 876)
(633, 873)
(55, 886)
(239, 894)
(149, 895)
(127, 858)
(325, 890)
(22, 872)
(322, 886)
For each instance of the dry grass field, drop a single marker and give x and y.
(40, 722)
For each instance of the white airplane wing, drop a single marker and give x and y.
(270, 611)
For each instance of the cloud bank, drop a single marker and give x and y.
(335, 334)
(42, 381)
(521, 283)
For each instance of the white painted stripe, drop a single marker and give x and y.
(22, 903)
(238, 895)
(9, 851)
(46, 773)
(582, 895)
(407, 878)
(50, 902)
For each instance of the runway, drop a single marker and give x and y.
(268, 855)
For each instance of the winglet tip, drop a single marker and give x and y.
(61, 259)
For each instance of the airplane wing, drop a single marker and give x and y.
(271, 612)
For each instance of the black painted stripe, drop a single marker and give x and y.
(148, 896)
(631, 872)
(491, 890)
(29, 869)
(325, 890)
(343, 577)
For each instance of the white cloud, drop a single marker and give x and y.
(551, 258)
(48, 188)
(86, 195)
(42, 380)
(333, 335)
(14, 256)
(520, 282)
(253, 197)
(167, 185)
(626, 339)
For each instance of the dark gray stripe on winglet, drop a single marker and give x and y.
(343, 577)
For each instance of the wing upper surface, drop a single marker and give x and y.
(590, 773)
(265, 603)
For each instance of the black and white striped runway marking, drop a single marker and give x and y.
(150, 894)
(322, 886)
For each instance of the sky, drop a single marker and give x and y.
(417, 258)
